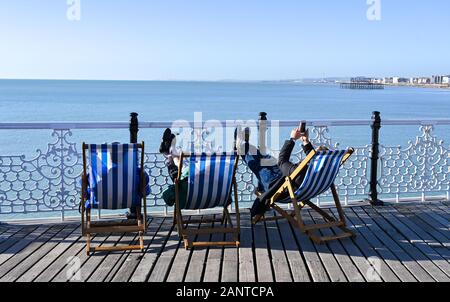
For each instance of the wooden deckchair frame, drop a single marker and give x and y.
(295, 217)
(89, 227)
(183, 225)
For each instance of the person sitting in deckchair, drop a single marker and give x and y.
(270, 172)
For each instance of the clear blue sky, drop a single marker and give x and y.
(222, 39)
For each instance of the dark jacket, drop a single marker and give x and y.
(260, 206)
(284, 160)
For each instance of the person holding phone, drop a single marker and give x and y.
(284, 159)
(271, 176)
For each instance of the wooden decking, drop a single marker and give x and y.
(407, 242)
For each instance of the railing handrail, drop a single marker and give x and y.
(227, 123)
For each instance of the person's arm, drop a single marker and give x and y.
(286, 151)
(306, 144)
(308, 147)
(284, 160)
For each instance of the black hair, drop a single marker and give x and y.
(166, 142)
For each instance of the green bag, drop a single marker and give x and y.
(169, 194)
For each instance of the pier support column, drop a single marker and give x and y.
(374, 158)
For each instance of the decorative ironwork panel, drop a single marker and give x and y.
(422, 167)
(48, 182)
(353, 179)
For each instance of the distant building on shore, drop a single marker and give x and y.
(436, 79)
(443, 80)
(420, 81)
(446, 80)
(440, 79)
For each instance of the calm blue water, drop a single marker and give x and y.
(33, 100)
(65, 101)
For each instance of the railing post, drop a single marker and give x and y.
(134, 127)
(262, 131)
(374, 158)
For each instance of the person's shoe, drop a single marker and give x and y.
(247, 133)
(241, 139)
(258, 193)
(238, 139)
(131, 215)
(166, 142)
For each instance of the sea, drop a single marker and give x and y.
(105, 101)
(87, 101)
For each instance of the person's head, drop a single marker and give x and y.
(168, 141)
(323, 149)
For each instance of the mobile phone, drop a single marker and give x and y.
(303, 127)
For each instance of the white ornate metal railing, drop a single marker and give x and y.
(49, 181)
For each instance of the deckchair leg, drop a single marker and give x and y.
(227, 217)
(338, 204)
(284, 214)
(187, 243)
(88, 244)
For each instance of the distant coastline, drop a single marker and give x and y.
(306, 81)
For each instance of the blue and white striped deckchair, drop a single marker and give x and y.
(112, 180)
(322, 170)
(113, 176)
(210, 183)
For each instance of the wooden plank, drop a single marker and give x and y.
(50, 257)
(314, 264)
(296, 262)
(162, 266)
(444, 209)
(417, 245)
(246, 262)
(60, 263)
(119, 266)
(17, 246)
(427, 223)
(195, 270)
(90, 264)
(180, 263)
(415, 219)
(263, 264)
(389, 238)
(67, 271)
(364, 254)
(230, 262)
(439, 214)
(8, 233)
(14, 237)
(113, 259)
(19, 267)
(331, 265)
(348, 267)
(396, 262)
(279, 260)
(161, 228)
(213, 266)
(156, 234)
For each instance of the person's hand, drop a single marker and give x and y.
(296, 134)
(305, 137)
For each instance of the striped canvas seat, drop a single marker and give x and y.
(322, 171)
(210, 181)
(113, 176)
